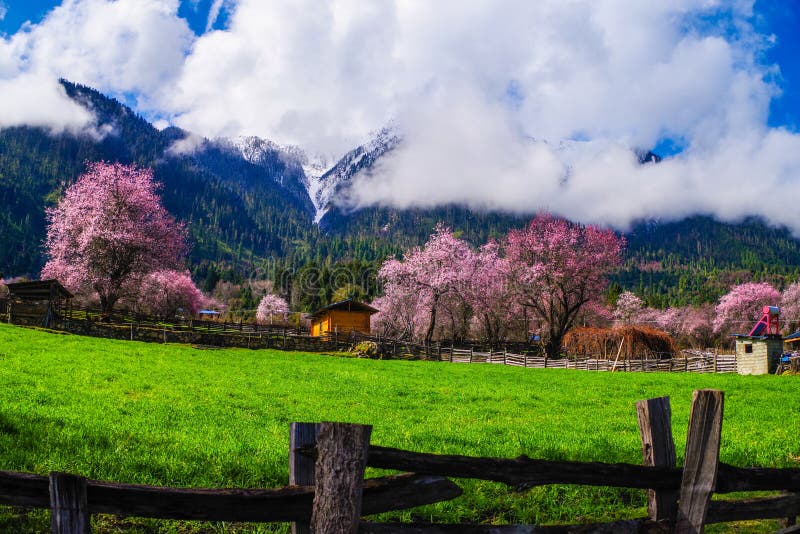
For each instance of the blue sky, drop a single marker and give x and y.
(21, 11)
(491, 97)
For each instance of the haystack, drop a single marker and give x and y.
(639, 342)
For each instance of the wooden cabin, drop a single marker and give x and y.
(39, 303)
(342, 318)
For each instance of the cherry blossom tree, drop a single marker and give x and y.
(270, 306)
(740, 308)
(557, 267)
(790, 306)
(398, 313)
(167, 293)
(490, 294)
(431, 276)
(109, 231)
(629, 308)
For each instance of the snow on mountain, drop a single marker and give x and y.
(260, 151)
(360, 159)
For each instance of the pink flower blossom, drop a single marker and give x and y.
(270, 306)
(740, 308)
(109, 231)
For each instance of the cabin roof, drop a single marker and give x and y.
(38, 290)
(344, 305)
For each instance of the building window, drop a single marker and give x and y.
(748, 348)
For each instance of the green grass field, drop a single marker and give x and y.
(179, 416)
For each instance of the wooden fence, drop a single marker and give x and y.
(255, 336)
(691, 361)
(328, 493)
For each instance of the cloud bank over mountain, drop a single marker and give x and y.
(509, 105)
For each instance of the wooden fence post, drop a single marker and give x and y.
(788, 522)
(342, 451)
(301, 466)
(69, 511)
(702, 460)
(658, 450)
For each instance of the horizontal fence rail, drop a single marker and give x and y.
(679, 498)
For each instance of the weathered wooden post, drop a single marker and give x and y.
(302, 440)
(69, 511)
(702, 460)
(791, 521)
(658, 450)
(342, 451)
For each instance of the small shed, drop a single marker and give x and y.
(39, 303)
(758, 355)
(342, 317)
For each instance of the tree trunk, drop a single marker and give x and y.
(552, 346)
(432, 324)
(107, 303)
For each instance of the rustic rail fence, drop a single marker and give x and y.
(691, 361)
(328, 493)
(240, 334)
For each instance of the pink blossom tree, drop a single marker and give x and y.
(270, 306)
(790, 306)
(740, 308)
(597, 314)
(557, 267)
(490, 294)
(697, 326)
(109, 231)
(167, 293)
(431, 276)
(629, 308)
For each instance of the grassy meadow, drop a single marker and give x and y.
(180, 416)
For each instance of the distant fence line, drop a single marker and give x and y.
(225, 334)
(691, 362)
(328, 492)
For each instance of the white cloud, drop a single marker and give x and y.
(469, 82)
(122, 47)
(32, 99)
(3, 10)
